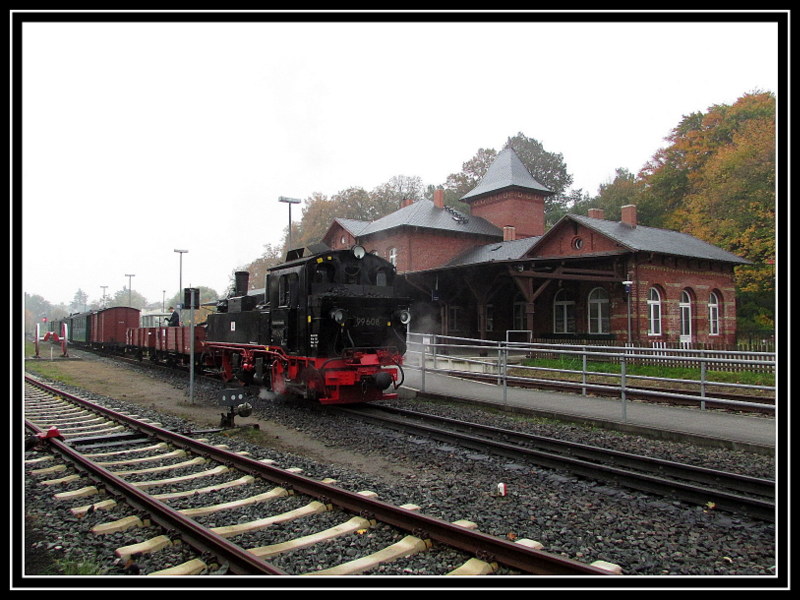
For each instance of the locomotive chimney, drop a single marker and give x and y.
(242, 281)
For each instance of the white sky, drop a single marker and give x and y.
(142, 138)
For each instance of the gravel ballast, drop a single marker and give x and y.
(574, 517)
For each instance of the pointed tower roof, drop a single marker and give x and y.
(506, 171)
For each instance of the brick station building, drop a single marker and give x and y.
(587, 279)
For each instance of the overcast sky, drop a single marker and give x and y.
(143, 138)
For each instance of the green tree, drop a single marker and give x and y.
(612, 196)
(548, 168)
(472, 171)
(123, 298)
(574, 201)
(387, 197)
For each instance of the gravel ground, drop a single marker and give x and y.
(580, 519)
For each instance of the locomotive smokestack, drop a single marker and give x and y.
(242, 282)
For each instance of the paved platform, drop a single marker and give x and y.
(710, 427)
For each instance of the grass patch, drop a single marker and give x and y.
(43, 366)
(662, 371)
(74, 567)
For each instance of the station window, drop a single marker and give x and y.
(654, 312)
(563, 312)
(685, 307)
(598, 311)
(713, 314)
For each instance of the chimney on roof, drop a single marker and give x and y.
(438, 198)
(406, 202)
(509, 233)
(597, 213)
(629, 215)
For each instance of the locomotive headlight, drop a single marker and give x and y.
(404, 317)
(359, 252)
(339, 315)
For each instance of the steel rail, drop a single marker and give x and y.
(239, 560)
(683, 397)
(593, 462)
(492, 549)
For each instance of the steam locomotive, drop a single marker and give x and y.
(330, 327)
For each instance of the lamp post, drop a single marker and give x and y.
(129, 275)
(180, 273)
(289, 201)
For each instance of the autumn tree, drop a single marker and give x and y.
(716, 181)
(472, 171)
(272, 256)
(318, 213)
(356, 203)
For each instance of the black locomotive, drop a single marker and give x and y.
(329, 326)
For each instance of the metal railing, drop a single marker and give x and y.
(503, 360)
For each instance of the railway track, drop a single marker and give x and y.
(731, 492)
(672, 394)
(146, 474)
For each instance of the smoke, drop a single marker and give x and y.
(425, 325)
(265, 393)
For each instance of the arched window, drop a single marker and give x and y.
(654, 312)
(393, 256)
(713, 314)
(563, 312)
(598, 311)
(685, 306)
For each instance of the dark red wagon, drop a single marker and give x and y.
(109, 326)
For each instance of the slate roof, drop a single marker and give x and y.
(650, 239)
(353, 226)
(506, 171)
(424, 213)
(500, 251)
